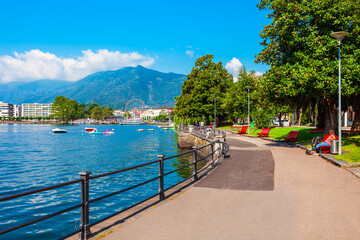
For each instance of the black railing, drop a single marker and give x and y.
(214, 158)
(208, 133)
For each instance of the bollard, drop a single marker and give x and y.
(195, 163)
(212, 154)
(85, 227)
(161, 177)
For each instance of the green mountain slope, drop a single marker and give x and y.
(116, 88)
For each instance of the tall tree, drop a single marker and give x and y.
(65, 109)
(206, 81)
(303, 56)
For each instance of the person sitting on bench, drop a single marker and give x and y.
(327, 142)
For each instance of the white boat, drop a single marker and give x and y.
(141, 130)
(133, 121)
(108, 131)
(59, 130)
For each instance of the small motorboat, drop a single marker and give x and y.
(164, 128)
(59, 130)
(108, 131)
(141, 130)
(151, 130)
(90, 129)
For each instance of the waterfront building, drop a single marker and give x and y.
(17, 110)
(6, 109)
(36, 109)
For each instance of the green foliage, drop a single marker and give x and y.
(206, 81)
(65, 109)
(302, 54)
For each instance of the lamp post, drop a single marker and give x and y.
(248, 88)
(339, 36)
(214, 126)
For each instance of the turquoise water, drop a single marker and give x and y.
(32, 157)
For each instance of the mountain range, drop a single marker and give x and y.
(110, 88)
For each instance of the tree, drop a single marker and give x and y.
(65, 109)
(206, 81)
(96, 113)
(303, 56)
(236, 100)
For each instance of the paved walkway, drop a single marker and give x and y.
(265, 190)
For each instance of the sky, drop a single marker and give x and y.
(68, 40)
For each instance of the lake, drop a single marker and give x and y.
(33, 157)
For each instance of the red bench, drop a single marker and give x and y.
(293, 136)
(243, 130)
(325, 149)
(264, 132)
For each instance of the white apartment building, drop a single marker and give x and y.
(36, 109)
(4, 109)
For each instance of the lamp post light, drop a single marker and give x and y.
(248, 88)
(339, 37)
(214, 126)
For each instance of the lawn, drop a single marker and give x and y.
(350, 144)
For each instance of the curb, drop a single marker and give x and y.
(329, 158)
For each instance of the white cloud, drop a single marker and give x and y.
(35, 64)
(190, 53)
(258, 74)
(233, 67)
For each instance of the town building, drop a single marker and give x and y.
(36, 109)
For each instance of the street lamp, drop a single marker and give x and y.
(339, 36)
(214, 126)
(248, 88)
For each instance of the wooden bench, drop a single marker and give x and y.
(243, 130)
(293, 136)
(264, 132)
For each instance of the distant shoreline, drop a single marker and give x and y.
(59, 123)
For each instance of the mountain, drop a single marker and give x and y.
(110, 88)
(30, 92)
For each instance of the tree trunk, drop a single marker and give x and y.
(331, 115)
(279, 117)
(299, 117)
(356, 123)
(321, 115)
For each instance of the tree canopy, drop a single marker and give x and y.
(206, 81)
(303, 55)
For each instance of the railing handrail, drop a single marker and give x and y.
(85, 179)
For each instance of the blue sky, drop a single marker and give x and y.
(64, 36)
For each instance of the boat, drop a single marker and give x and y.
(151, 130)
(141, 130)
(95, 132)
(59, 130)
(134, 121)
(164, 128)
(108, 131)
(90, 129)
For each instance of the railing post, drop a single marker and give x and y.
(161, 177)
(85, 227)
(212, 154)
(195, 163)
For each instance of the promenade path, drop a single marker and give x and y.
(266, 190)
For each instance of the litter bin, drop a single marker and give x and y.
(334, 147)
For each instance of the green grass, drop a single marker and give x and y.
(350, 144)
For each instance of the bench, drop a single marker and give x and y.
(354, 132)
(243, 130)
(264, 132)
(326, 149)
(293, 136)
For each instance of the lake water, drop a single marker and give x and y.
(32, 157)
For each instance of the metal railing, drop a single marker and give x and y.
(216, 156)
(208, 133)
